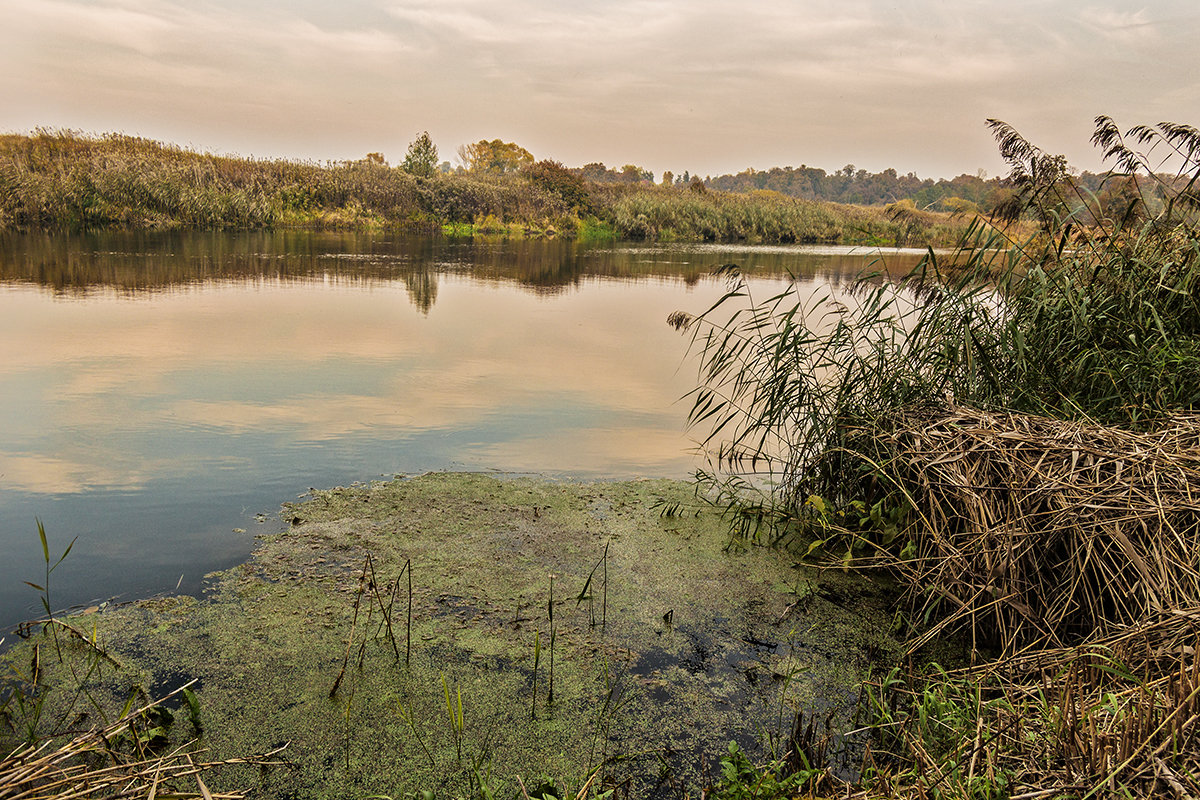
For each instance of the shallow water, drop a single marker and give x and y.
(668, 642)
(162, 395)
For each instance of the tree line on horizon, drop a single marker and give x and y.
(964, 194)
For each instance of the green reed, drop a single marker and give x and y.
(553, 633)
(1096, 316)
(677, 213)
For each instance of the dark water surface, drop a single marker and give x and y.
(160, 396)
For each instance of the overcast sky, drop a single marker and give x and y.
(698, 85)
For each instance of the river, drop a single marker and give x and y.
(162, 394)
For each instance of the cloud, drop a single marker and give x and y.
(140, 28)
(303, 39)
(78, 472)
(704, 85)
(1121, 25)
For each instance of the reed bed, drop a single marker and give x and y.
(67, 181)
(1032, 531)
(764, 216)
(62, 180)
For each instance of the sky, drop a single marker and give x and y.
(698, 85)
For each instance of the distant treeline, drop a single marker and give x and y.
(966, 193)
(61, 180)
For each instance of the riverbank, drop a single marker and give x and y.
(63, 181)
(661, 642)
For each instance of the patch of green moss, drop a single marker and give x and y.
(664, 648)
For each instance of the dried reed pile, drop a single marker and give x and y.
(1037, 532)
(1105, 731)
(88, 765)
(49, 772)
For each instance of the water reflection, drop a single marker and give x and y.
(138, 263)
(161, 390)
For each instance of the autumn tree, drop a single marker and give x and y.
(960, 206)
(632, 173)
(552, 176)
(495, 157)
(1120, 201)
(595, 172)
(422, 158)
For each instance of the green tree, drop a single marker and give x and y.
(495, 157)
(422, 158)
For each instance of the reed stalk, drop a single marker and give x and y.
(550, 613)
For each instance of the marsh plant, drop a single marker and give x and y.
(67, 181)
(588, 593)
(35, 707)
(1010, 426)
(1094, 317)
(63, 735)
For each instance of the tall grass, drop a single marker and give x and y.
(1091, 317)
(1011, 429)
(664, 213)
(61, 180)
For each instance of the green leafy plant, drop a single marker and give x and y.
(741, 779)
(455, 714)
(44, 587)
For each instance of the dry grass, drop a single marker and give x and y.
(1074, 549)
(649, 212)
(88, 765)
(1032, 531)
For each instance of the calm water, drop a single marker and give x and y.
(162, 395)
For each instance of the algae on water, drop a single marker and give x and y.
(667, 642)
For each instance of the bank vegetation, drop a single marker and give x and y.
(1010, 431)
(66, 181)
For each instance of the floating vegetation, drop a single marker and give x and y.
(637, 700)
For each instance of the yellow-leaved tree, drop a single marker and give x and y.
(494, 157)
